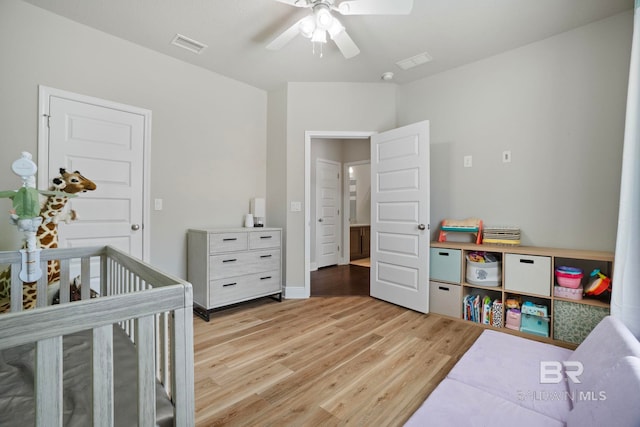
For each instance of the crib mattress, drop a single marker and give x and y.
(17, 384)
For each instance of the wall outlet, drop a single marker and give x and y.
(468, 161)
(506, 156)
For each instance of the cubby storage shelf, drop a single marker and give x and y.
(526, 272)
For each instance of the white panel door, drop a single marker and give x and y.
(327, 212)
(107, 146)
(400, 216)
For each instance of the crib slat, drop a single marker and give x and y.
(48, 382)
(65, 295)
(182, 357)
(146, 371)
(85, 278)
(43, 281)
(103, 410)
(16, 288)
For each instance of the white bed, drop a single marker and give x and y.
(151, 310)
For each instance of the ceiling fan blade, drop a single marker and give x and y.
(296, 3)
(285, 37)
(375, 7)
(345, 44)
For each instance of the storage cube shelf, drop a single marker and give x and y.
(524, 273)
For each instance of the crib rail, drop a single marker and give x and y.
(155, 309)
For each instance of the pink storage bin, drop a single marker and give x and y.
(513, 319)
(569, 293)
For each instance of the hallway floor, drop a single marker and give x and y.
(340, 280)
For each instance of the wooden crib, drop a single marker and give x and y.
(153, 309)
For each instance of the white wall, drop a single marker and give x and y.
(208, 149)
(325, 107)
(558, 105)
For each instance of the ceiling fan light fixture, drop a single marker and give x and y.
(323, 16)
(319, 36)
(335, 28)
(307, 26)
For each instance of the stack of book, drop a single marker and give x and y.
(501, 235)
(482, 310)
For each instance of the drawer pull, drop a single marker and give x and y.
(443, 253)
(265, 278)
(442, 288)
(229, 239)
(230, 260)
(526, 261)
(266, 256)
(229, 284)
(266, 237)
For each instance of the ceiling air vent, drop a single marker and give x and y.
(189, 44)
(414, 61)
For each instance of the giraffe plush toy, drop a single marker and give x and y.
(52, 212)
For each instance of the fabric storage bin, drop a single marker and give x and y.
(530, 274)
(572, 321)
(445, 264)
(536, 325)
(483, 273)
(444, 298)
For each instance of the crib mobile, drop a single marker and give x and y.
(26, 214)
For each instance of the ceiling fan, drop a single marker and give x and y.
(320, 22)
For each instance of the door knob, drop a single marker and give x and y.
(135, 227)
(421, 227)
(319, 219)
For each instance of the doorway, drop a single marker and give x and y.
(340, 278)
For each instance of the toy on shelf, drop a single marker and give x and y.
(599, 283)
(469, 225)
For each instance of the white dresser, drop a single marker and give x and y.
(228, 266)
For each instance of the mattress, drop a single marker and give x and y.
(17, 384)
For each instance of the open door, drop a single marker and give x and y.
(400, 216)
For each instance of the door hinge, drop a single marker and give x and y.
(338, 175)
(48, 120)
(338, 248)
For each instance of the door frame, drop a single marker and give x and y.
(44, 93)
(346, 208)
(308, 136)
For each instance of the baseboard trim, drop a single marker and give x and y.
(295, 292)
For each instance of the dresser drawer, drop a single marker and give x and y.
(264, 239)
(528, 274)
(444, 264)
(228, 291)
(445, 298)
(238, 264)
(227, 242)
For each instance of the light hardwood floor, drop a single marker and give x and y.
(322, 361)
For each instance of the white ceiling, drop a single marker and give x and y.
(453, 32)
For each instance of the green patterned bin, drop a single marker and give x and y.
(572, 322)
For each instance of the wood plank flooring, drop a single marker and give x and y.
(340, 280)
(324, 361)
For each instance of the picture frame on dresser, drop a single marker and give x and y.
(233, 265)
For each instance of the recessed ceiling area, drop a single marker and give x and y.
(236, 33)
